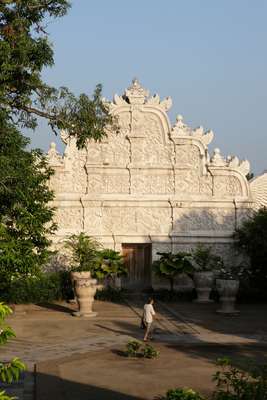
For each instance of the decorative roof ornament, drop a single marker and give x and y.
(54, 156)
(242, 166)
(135, 93)
(180, 128)
(217, 159)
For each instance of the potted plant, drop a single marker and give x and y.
(109, 266)
(169, 265)
(204, 263)
(83, 251)
(227, 285)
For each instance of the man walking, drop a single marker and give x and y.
(148, 316)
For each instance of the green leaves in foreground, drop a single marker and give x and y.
(10, 372)
(4, 396)
(182, 394)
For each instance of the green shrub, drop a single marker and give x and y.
(251, 238)
(21, 289)
(114, 295)
(149, 351)
(168, 296)
(235, 384)
(182, 394)
(132, 348)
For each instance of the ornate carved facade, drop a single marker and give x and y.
(151, 182)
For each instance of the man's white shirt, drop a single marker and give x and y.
(148, 313)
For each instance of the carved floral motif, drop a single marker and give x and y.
(152, 184)
(227, 186)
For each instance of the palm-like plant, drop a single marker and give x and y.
(171, 265)
(84, 252)
(110, 264)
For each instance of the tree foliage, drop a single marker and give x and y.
(24, 209)
(251, 237)
(24, 51)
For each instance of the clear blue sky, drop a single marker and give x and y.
(210, 56)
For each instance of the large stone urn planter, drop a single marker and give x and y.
(203, 283)
(85, 288)
(73, 276)
(227, 289)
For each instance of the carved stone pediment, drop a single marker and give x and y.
(151, 179)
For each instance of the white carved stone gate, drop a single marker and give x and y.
(151, 183)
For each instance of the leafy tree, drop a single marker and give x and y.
(24, 51)
(170, 265)
(9, 371)
(251, 237)
(24, 209)
(24, 97)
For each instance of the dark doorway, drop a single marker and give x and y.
(138, 263)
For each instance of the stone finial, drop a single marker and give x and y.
(217, 159)
(136, 93)
(53, 155)
(180, 128)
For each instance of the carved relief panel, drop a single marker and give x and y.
(187, 156)
(149, 144)
(152, 181)
(225, 186)
(69, 218)
(187, 181)
(108, 180)
(203, 219)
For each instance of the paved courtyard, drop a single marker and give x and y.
(80, 358)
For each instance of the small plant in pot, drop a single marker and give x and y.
(204, 263)
(83, 251)
(227, 285)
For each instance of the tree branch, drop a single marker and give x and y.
(32, 110)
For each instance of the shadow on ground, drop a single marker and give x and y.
(56, 307)
(245, 356)
(55, 388)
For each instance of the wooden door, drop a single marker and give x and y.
(138, 263)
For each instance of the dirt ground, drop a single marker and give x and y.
(80, 359)
(109, 375)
